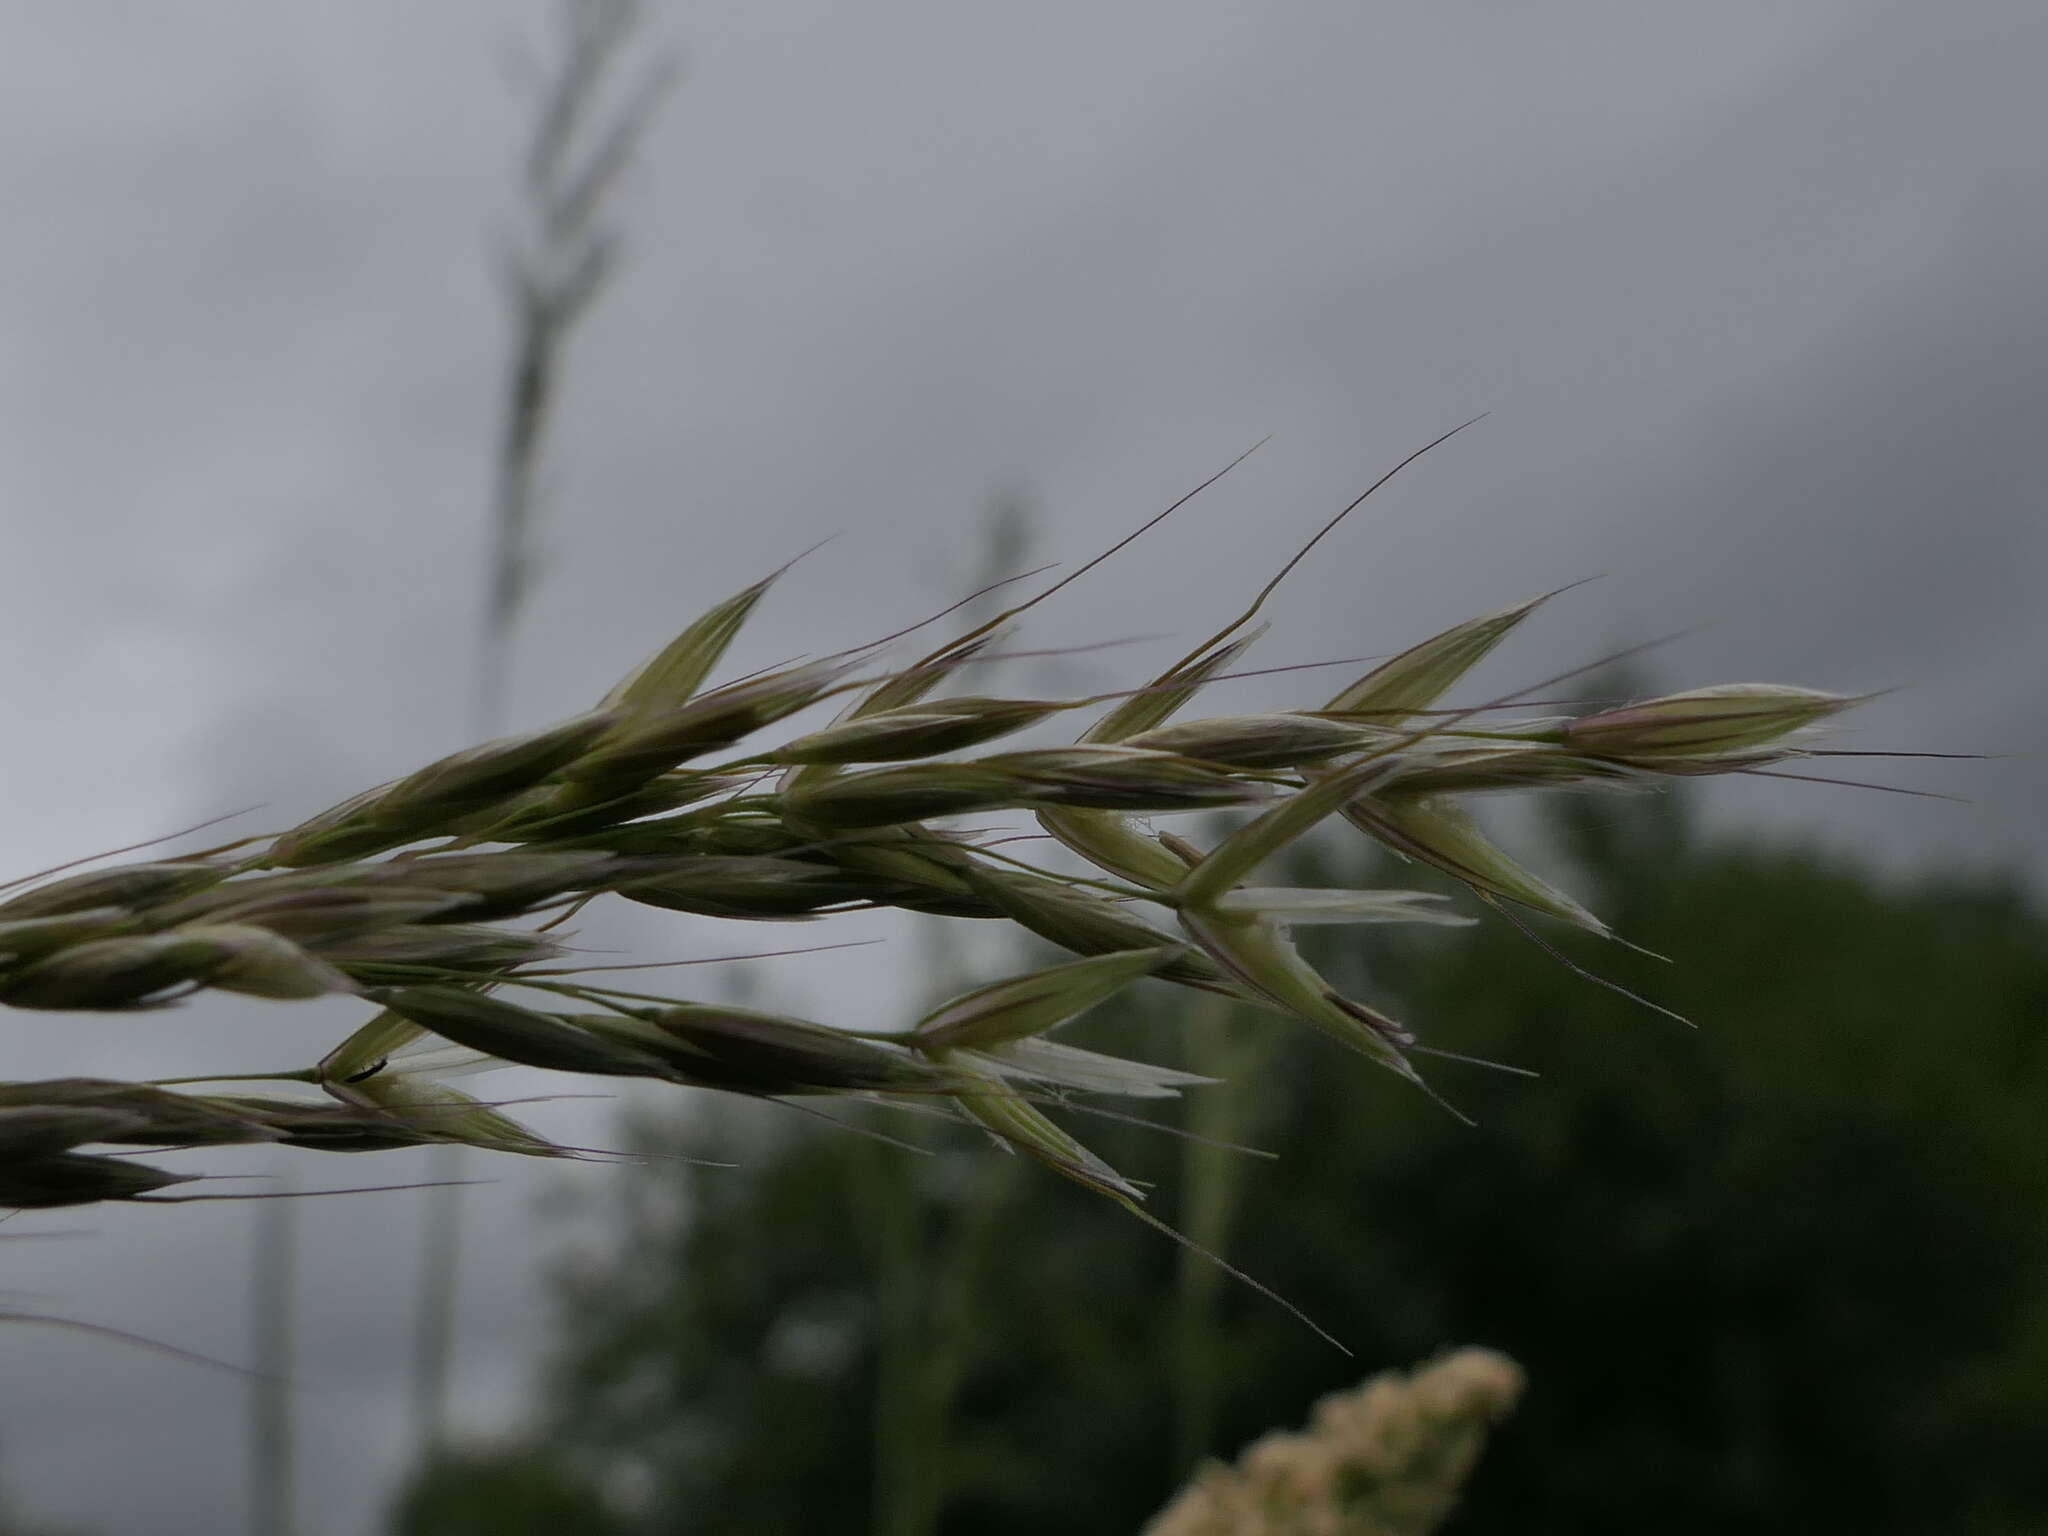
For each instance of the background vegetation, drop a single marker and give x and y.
(1786, 1272)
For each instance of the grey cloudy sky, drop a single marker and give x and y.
(1752, 291)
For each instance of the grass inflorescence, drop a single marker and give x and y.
(1387, 1459)
(434, 897)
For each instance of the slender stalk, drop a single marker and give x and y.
(923, 1303)
(440, 1261)
(273, 1276)
(954, 1322)
(1212, 1181)
(893, 1209)
(575, 156)
(579, 147)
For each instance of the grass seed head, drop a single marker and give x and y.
(460, 946)
(1703, 722)
(1449, 766)
(1296, 907)
(1441, 833)
(651, 743)
(1266, 963)
(1420, 675)
(881, 797)
(260, 963)
(1120, 778)
(1031, 1004)
(1275, 828)
(915, 869)
(35, 1130)
(523, 1035)
(1151, 707)
(74, 1178)
(332, 1127)
(314, 915)
(1015, 1124)
(152, 1116)
(915, 730)
(338, 834)
(767, 1054)
(442, 1113)
(559, 811)
(1077, 919)
(31, 937)
(113, 975)
(913, 683)
(669, 677)
(1066, 1067)
(609, 802)
(496, 885)
(1113, 845)
(128, 886)
(1260, 741)
(468, 782)
(1389, 1458)
(753, 886)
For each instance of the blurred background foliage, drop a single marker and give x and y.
(13, 1523)
(1786, 1271)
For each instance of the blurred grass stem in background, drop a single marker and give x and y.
(272, 1324)
(585, 134)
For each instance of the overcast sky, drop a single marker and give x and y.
(1751, 290)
